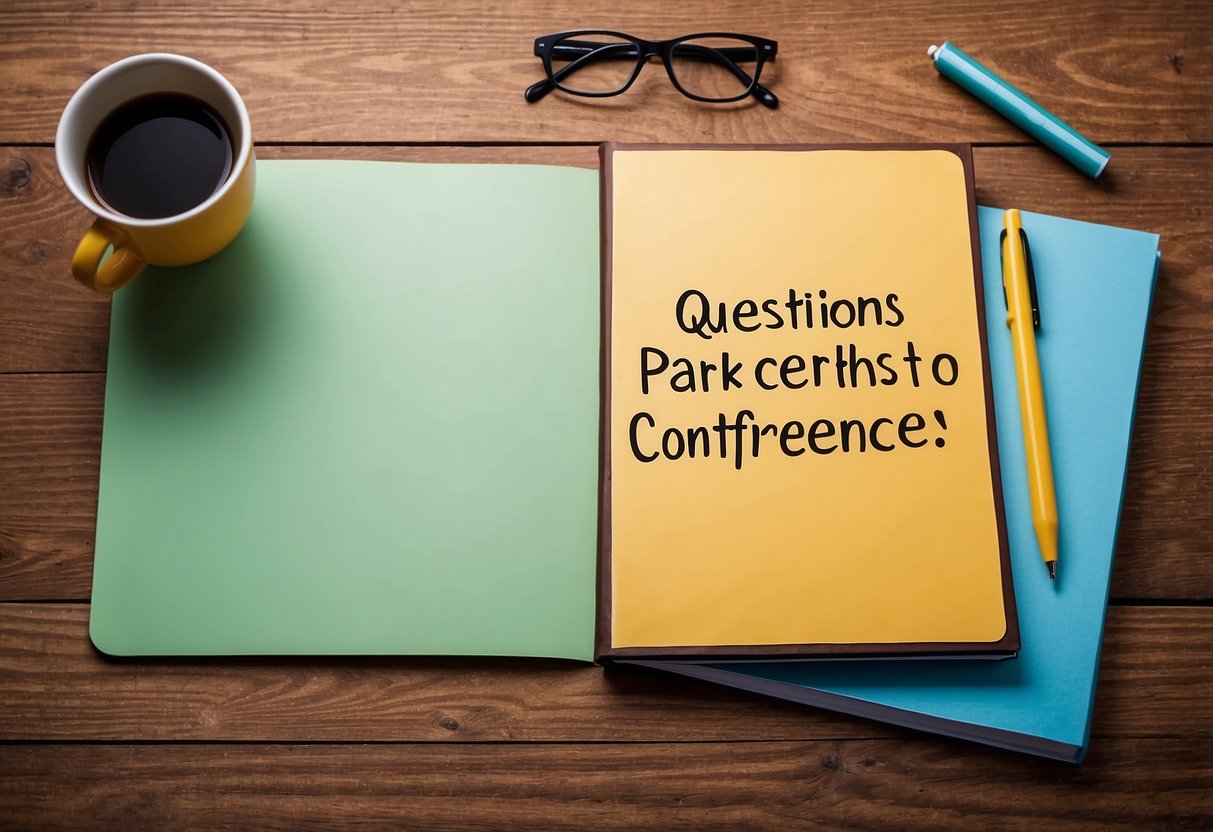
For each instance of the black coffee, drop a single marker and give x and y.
(158, 156)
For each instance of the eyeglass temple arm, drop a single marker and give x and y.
(590, 51)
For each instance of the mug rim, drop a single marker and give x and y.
(67, 167)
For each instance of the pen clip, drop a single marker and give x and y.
(1002, 265)
(1027, 258)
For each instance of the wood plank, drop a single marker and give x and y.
(55, 686)
(869, 784)
(454, 70)
(50, 436)
(49, 324)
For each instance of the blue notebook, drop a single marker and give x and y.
(1095, 284)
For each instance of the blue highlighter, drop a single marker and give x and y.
(1034, 119)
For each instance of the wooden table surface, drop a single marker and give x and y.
(90, 742)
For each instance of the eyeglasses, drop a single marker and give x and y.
(715, 67)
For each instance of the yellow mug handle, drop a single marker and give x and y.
(123, 264)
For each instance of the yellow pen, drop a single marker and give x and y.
(1023, 319)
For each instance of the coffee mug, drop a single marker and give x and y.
(159, 147)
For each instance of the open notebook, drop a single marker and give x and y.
(370, 426)
(1095, 285)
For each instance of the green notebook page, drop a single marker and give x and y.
(369, 426)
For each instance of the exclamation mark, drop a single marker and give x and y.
(943, 423)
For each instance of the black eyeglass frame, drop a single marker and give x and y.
(545, 46)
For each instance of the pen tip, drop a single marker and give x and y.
(931, 50)
(1052, 570)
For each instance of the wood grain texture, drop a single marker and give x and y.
(50, 459)
(453, 71)
(1128, 785)
(86, 741)
(55, 686)
(46, 318)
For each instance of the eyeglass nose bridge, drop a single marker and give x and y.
(647, 51)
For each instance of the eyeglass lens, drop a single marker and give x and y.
(714, 68)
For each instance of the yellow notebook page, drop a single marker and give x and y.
(839, 491)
